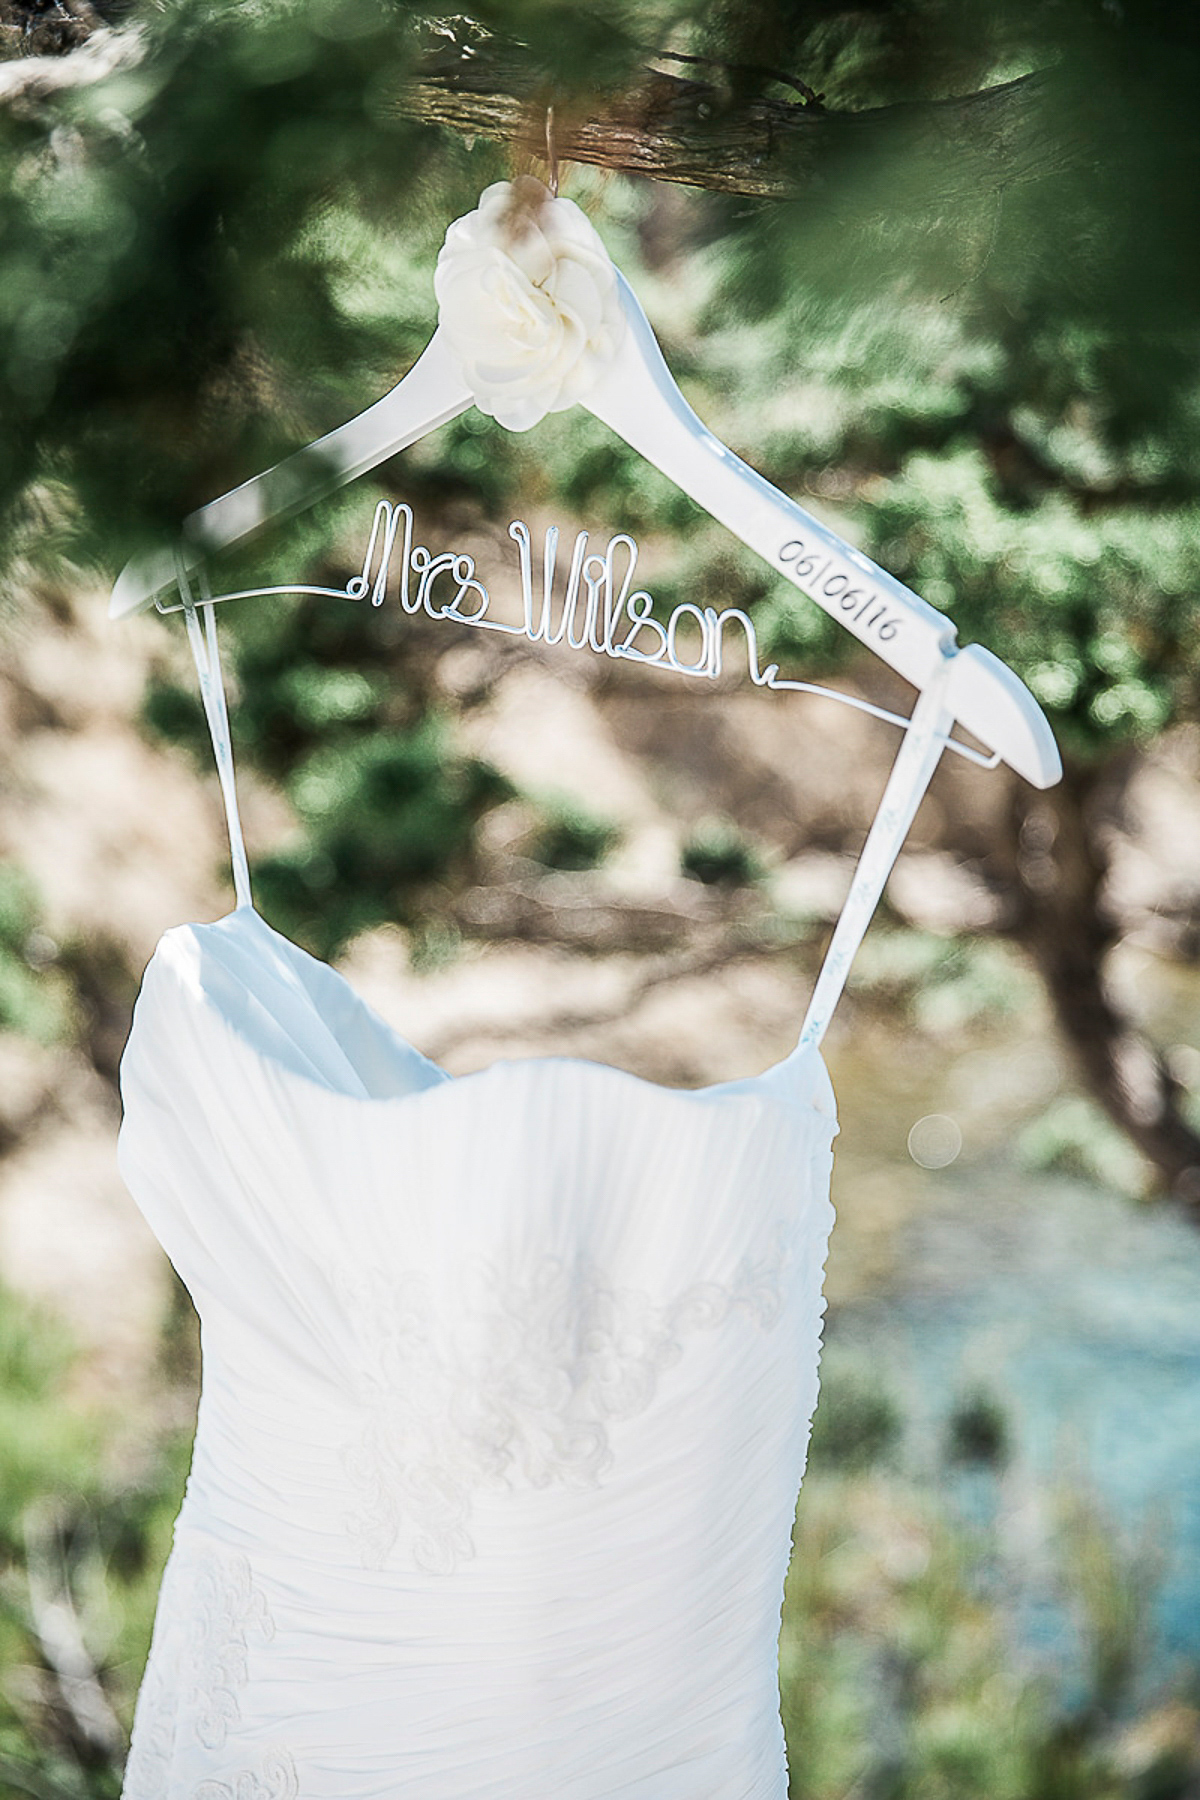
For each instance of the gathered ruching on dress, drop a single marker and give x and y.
(507, 1389)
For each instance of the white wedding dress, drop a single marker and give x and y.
(508, 1382)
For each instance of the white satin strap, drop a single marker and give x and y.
(911, 774)
(212, 692)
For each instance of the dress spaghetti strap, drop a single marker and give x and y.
(203, 641)
(911, 774)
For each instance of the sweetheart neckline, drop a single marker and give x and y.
(738, 1085)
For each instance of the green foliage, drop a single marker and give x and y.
(944, 983)
(568, 836)
(898, 1677)
(179, 235)
(35, 1438)
(858, 1424)
(1074, 1137)
(897, 1674)
(33, 1001)
(238, 251)
(977, 1430)
(381, 817)
(1009, 482)
(347, 725)
(1112, 590)
(81, 1532)
(226, 245)
(719, 855)
(996, 389)
(33, 1361)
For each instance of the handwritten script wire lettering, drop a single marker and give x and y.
(589, 602)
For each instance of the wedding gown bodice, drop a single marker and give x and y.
(507, 1389)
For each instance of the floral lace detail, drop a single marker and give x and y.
(520, 1390)
(209, 1608)
(274, 1778)
(227, 1608)
(148, 1767)
(153, 1741)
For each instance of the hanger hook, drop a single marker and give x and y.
(551, 152)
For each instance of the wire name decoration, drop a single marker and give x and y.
(599, 608)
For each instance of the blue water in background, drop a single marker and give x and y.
(1078, 1312)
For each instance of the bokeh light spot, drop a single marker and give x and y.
(935, 1141)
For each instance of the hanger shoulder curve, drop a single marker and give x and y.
(431, 394)
(639, 399)
(996, 706)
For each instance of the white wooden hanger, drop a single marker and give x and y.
(637, 397)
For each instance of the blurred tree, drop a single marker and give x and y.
(950, 252)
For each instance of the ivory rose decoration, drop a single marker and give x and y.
(528, 301)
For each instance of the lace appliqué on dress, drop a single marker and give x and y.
(227, 1609)
(274, 1778)
(147, 1770)
(519, 1391)
(211, 1609)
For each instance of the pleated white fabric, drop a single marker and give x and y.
(508, 1382)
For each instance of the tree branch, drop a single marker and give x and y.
(702, 133)
(27, 83)
(697, 133)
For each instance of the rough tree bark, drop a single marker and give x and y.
(1060, 867)
(702, 134)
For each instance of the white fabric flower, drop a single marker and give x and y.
(528, 300)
